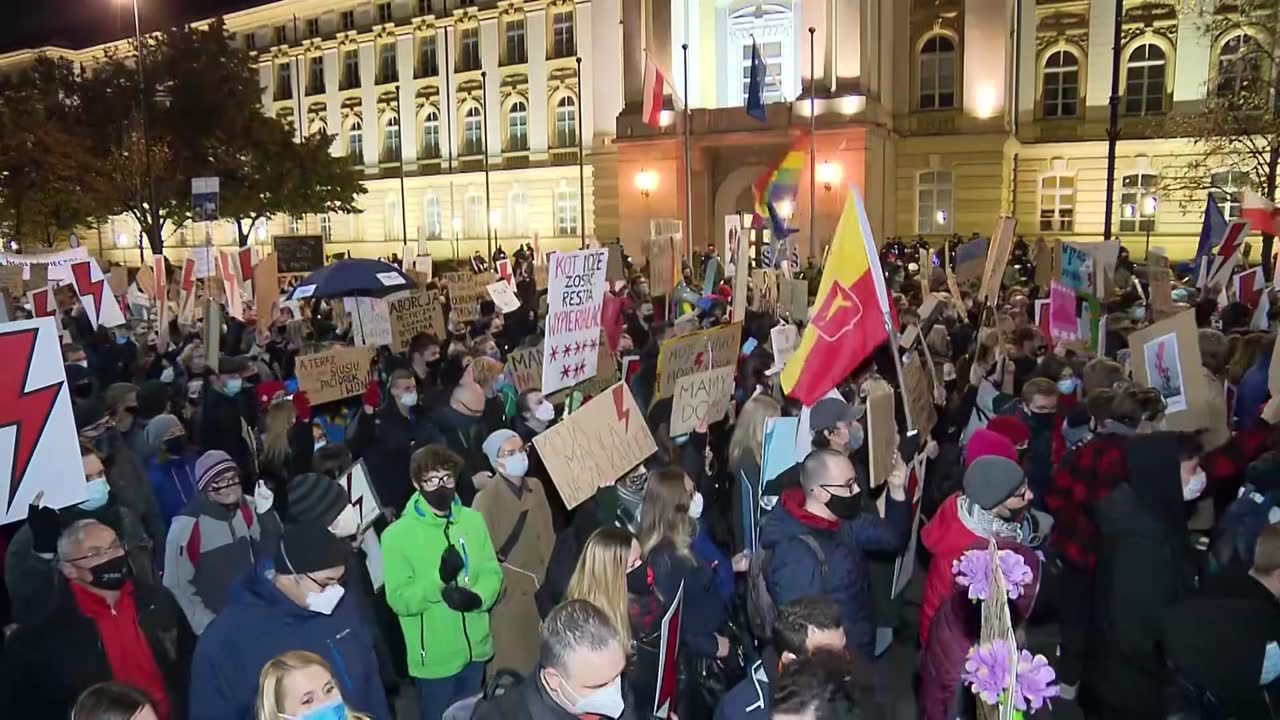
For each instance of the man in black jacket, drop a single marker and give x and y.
(103, 626)
(386, 435)
(226, 420)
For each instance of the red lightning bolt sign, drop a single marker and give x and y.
(82, 274)
(620, 406)
(27, 411)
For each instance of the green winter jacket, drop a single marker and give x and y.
(439, 641)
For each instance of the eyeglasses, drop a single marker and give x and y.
(111, 550)
(432, 482)
(506, 454)
(846, 485)
(325, 585)
(226, 485)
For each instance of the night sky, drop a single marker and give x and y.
(78, 23)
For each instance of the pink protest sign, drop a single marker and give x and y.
(1063, 324)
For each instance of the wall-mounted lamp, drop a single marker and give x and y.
(829, 174)
(646, 182)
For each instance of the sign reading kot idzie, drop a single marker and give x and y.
(575, 298)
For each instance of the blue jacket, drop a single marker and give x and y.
(702, 612)
(705, 549)
(794, 570)
(258, 623)
(1252, 393)
(173, 482)
(749, 699)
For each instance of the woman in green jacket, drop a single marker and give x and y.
(442, 579)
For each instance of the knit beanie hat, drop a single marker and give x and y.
(991, 480)
(159, 427)
(309, 547)
(1010, 427)
(314, 498)
(88, 412)
(211, 465)
(493, 444)
(986, 442)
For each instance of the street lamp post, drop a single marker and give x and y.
(1148, 216)
(153, 210)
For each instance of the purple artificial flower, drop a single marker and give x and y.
(1035, 682)
(987, 670)
(1016, 573)
(973, 570)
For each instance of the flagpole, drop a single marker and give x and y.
(813, 155)
(897, 365)
(688, 169)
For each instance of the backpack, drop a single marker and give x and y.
(762, 612)
(1236, 533)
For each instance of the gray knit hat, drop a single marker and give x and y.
(314, 498)
(211, 465)
(494, 443)
(991, 480)
(159, 427)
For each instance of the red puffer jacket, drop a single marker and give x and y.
(947, 538)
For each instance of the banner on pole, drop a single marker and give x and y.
(575, 298)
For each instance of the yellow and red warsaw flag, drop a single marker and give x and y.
(849, 312)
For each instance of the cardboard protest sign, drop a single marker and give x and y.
(540, 273)
(37, 275)
(213, 333)
(663, 257)
(1045, 256)
(696, 352)
(917, 386)
(767, 291)
(422, 264)
(615, 270)
(57, 265)
(1161, 297)
(361, 493)
(333, 375)
(1076, 268)
(1166, 356)
(370, 320)
(99, 305)
(926, 269)
(785, 340)
(206, 261)
(39, 448)
(412, 312)
(298, 253)
(953, 287)
(575, 298)
(42, 302)
(793, 298)
(596, 445)
(118, 280)
(504, 296)
(741, 243)
(997, 259)
(524, 367)
(266, 292)
(607, 373)
(882, 431)
(11, 278)
(466, 291)
(704, 396)
(1063, 324)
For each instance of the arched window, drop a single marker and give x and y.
(431, 220)
(518, 126)
(1226, 187)
(938, 73)
(1138, 202)
(933, 201)
(475, 215)
(518, 212)
(1057, 203)
(1239, 66)
(1144, 80)
(566, 122)
(355, 141)
(771, 26)
(393, 222)
(431, 134)
(391, 140)
(1061, 85)
(472, 131)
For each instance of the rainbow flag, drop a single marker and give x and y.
(849, 317)
(779, 184)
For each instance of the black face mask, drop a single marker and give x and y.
(638, 579)
(111, 574)
(844, 508)
(439, 499)
(82, 390)
(175, 445)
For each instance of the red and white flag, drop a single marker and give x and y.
(1260, 212)
(656, 85)
(1249, 286)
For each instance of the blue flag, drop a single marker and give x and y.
(755, 90)
(1212, 230)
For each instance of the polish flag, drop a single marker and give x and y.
(654, 86)
(1261, 213)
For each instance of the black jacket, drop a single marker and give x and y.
(223, 424)
(530, 701)
(49, 663)
(465, 435)
(385, 441)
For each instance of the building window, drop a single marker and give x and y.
(355, 142)
(431, 224)
(250, 41)
(313, 27)
(391, 140)
(933, 201)
(292, 224)
(1226, 187)
(518, 212)
(326, 228)
(424, 7)
(475, 217)
(394, 225)
(428, 61)
(938, 73)
(566, 122)
(1137, 202)
(1144, 81)
(387, 63)
(562, 33)
(431, 135)
(281, 35)
(515, 47)
(469, 49)
(315, 75)
(472, 132)
(772, 53)
(518, 127)
(284, 81)
(1057, 203)
(566, 212)
(350, 68)
(1061, 85)
(1239, 67)
(384, 12)
(348, 19)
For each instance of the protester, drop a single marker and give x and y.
(126, 475)
(121, 400)
(300, 684)
(443, 578)
(101, 624)
(386, 435)
(1038, 410)
(113, 701)
(746, 453)
(535, 415)
(227, 420)
(214, 541)
(817, 687)
(293, 600)
(171, 467)
(287, 444)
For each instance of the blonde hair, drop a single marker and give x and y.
(271, 682)
(665, 512)
(275, 432)
(748, 434)
(600, 577)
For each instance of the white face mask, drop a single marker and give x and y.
(695, 505)
(515, 466)
(1194, 486)
(546, 412)
(166, 375)
(606, 701)
(346, 524)
(409, 399)
(326, 600)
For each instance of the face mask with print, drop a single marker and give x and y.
(336, 710)
(326, 600)
(546, 412)
(1195, 486)
(516, 465)
(606, 701)
(96, 494)
(695, 505)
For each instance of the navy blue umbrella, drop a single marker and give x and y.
(353, 278)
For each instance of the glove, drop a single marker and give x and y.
(262, 498)
(45, 529)
(450, 565)
(302, 405)
(372, 395)
(460, 598)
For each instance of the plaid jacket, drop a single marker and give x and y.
(1087, 474)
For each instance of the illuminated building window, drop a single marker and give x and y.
(513, 30)
(387, 63)
(1137, 201)
(472, 131)
(431, 135)
(1144, 80)
(1060, 94)
(475, 215)
(1057, 203)
(1227, 185)
(562, 44)
(326, 228)
(391, 140)
(566, 122)
(517, 127)
(518, 212)
(468, 49)
(772, 26)
(431, 216)
(355, 141)
(566, 212)
(1239, 66)
(933, 201)
(428, 60)
(938, 73)
(394, 220)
